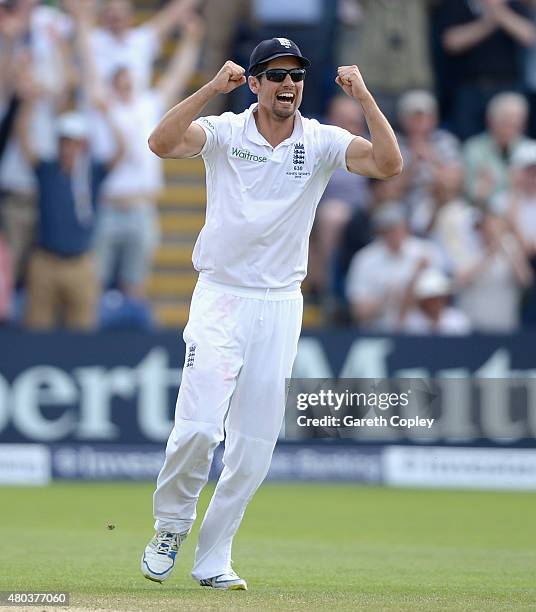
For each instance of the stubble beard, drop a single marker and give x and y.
(283, 114)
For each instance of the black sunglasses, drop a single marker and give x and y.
(280, 74)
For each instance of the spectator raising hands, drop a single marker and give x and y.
(117, 44)
(127, 229)
(62, 285)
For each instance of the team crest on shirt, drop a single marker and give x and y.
(298, 161)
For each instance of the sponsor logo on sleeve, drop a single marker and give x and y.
(208, 124)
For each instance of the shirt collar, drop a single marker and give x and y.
(253, 134)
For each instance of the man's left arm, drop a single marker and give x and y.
(381, 157)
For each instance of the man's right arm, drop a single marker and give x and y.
(176, 136)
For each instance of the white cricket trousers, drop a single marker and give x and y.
(240, 347)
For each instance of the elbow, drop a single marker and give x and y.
(156, 146)
(398, 167)
(393, 169)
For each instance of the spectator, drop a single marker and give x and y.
(32, 47)
(391, 48)
(519, 205)
(127, 229)
(344, 194)
(431, 313)
(61, 280)
(118, 45)
(356, 235)
(225, 23)
(423, 147)
(6, 263)
(450, 225)
(491, 280)
(381, 272)
(487, 157)
(520, 202)
(62, 285)
(484, 39)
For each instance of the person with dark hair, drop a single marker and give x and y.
(267, 168)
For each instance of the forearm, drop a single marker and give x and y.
(467, 275)
(70, 83)
(120, 144)
(171, 130)
(6, 69)
(93, 88)
(23, 131)
(367, 311)
(519, 263)
(458, 39)
(519, 27)
(385, 149)
(180, 70)
(170, 16)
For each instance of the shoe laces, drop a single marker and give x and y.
(167, 541)
(232, 575)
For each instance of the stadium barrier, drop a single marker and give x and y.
(100, 407)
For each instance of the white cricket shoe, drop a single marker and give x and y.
(229, 581)
(159, 555)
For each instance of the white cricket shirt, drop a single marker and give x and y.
(136, 50)
(261, 201)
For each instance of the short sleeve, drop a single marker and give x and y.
(335, 141)
(217, 129)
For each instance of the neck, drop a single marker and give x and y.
(273, 129)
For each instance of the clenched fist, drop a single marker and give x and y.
(350, 80)
(229, 77)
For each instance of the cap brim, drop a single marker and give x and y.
(305, 62)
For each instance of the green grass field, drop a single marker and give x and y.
(301, 547)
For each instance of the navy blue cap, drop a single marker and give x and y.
(275, 47)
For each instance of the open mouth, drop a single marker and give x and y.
(285, 97)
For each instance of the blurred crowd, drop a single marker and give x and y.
(78, 182)
(448, 247)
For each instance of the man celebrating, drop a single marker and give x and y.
(266, 171)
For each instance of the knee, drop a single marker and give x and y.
(249, 461)
(198, 433)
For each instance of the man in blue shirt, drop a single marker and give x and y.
(62, 283)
